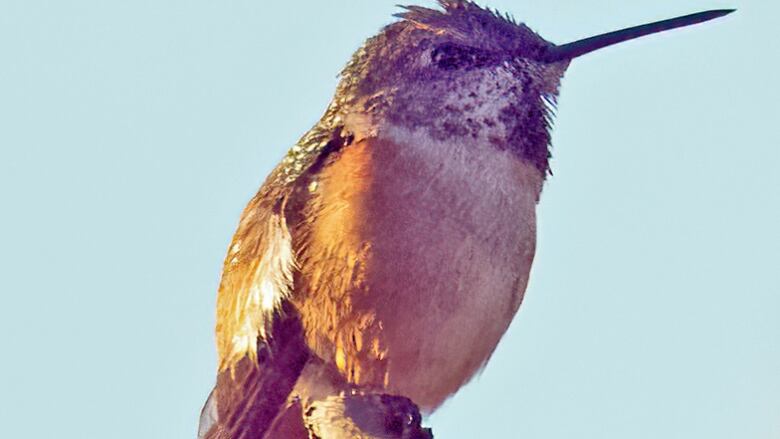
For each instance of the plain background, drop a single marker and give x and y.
(132, 134)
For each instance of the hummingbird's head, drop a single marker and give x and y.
(466, 72)
(459, 72)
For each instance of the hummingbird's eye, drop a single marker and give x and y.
(449, 56)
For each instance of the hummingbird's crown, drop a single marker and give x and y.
(480, 27)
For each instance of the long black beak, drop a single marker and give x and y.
(581, 47)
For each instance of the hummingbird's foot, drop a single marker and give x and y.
(365, 416)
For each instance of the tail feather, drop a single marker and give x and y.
(247, 399)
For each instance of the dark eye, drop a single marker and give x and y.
(449, 56)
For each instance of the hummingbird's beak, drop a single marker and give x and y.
(587, 45)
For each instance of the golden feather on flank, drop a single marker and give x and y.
(257, 276)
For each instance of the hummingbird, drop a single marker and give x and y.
(391, 248)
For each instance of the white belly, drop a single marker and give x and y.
(417, 261)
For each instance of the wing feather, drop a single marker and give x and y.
(258, 270)
(257, 277)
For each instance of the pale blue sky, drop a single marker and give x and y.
(132, 134)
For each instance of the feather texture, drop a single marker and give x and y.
(257, 276)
